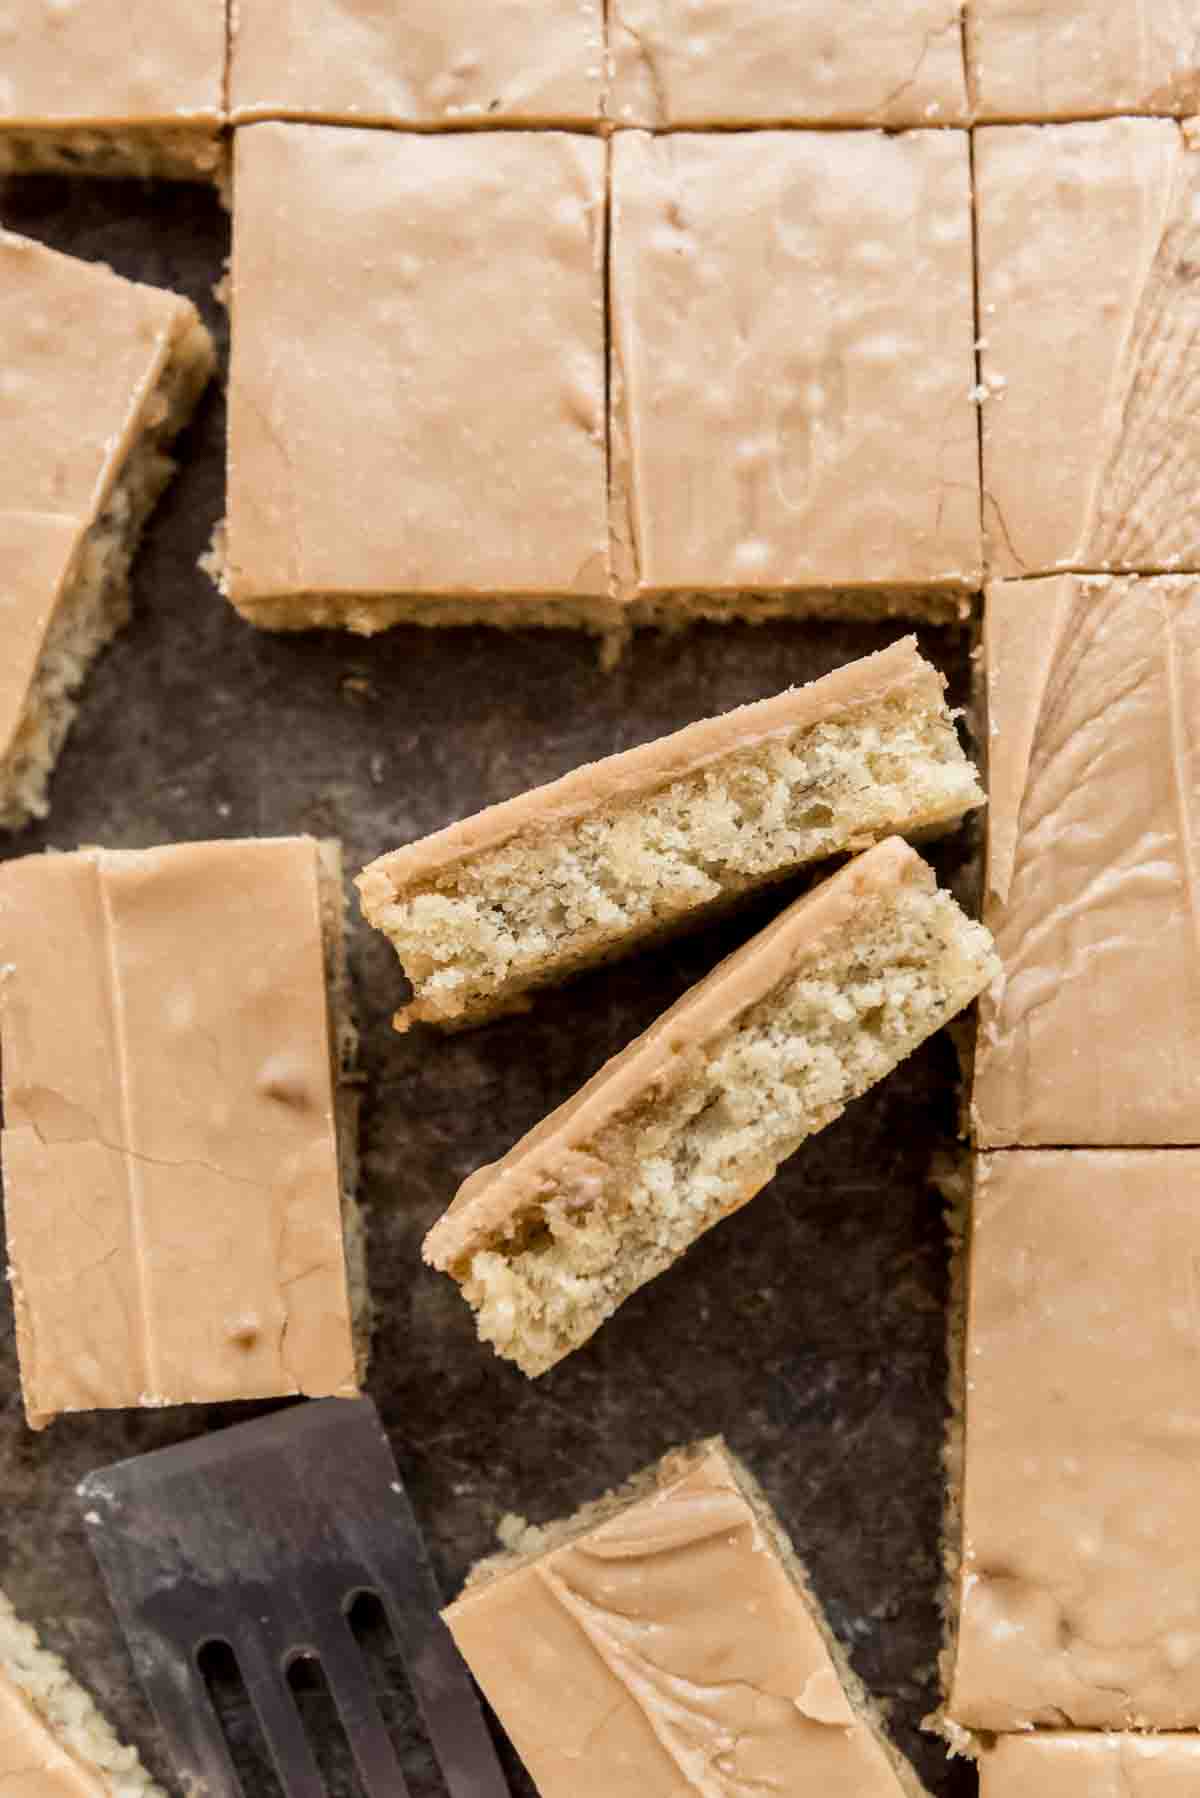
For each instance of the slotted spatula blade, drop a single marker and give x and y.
(260, 1537)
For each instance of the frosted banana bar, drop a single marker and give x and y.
(691, 1120)
(635, 846)
(667, 1638)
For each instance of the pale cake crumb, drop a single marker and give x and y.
(696, 1117)
(67, 1711)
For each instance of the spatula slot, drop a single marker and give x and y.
(323, 1726)
(218, 1667)
(367, 1620)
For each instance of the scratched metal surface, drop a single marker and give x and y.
(809, 1329)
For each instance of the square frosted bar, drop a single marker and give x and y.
(666, 1639)
(793, 364)
(416, 409)
(172, 1185)
(1089, 256)
(787, 62)
(1091, 1036)
(1080, 1535)
(1072, 59)
(112, 87)
(428, 63)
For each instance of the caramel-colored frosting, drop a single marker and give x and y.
(111, 62)
(493, 1196)
(1071, 1765)
(428, 62)
(81, 351)
(170, 1167)
(896, 673)
(32, 1762)
(792, 321)
(1092, 1033)
(1067, 59)
(668, 1651)
(1081, 1500)
(763, 62)
(1089, 259)
(36, 550)
(417, 392)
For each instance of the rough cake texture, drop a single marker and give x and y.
(430, 63)
(54, 1743)
(1093, 824)
(667, 1637)
(792, 325)
(694, 1117)
(1067, 1764)
(794, 62)
(385, 286)
(70, 105)
(1077, 1544)
(100, 374)
(195, 1103)
(640, 844)
(1089, 243)
(1066, 59)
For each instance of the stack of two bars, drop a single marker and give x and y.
(667, 1635)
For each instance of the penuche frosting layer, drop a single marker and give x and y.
(417, 388)
(891, 673)
(1074, 58)
(449, 63)
(1081, 1498)
(172, 1190)
(1066, 1764)
(669, 1649)
(1092, 1033)
(1089, 247)
(793, 360)
(82, 350)
(111, 63)
(757, 62)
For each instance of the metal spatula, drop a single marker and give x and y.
(259, 1538)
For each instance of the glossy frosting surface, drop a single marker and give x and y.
(1071, 58)
(1081, 1543)
(80, 351)
(417, 389)
(428, 62)
(111, 62)
(1092, 1033)
(171, 1178)
(667, 1652)
(793, 361)
(1067, 1765)
(1089, 260)
(722, 62)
